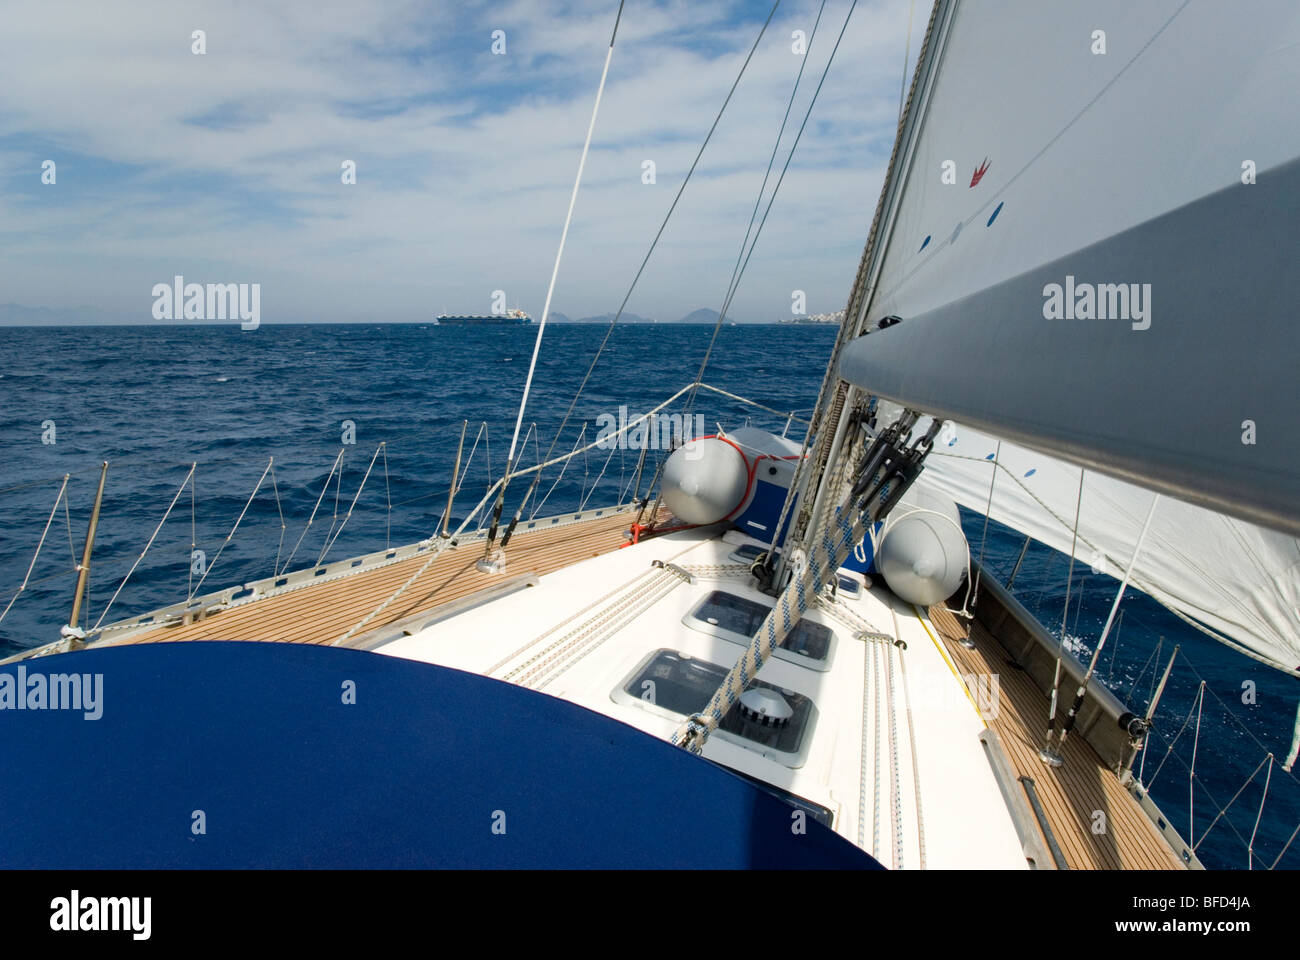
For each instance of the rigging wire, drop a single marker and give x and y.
(1197, 701)
(1227, 709)
(997, 457)
(312, 519)
(194, 588)
(71, 546)
(103, 613)
(659, 233)
(330, 540)
(775, 190)
(1060, 646)
(734, 281)
(388, 496)
(550, 292)
(279, 509)
(582, 505)
(1268, 759)
(1191, 773)
(194, 539)
(31, 566)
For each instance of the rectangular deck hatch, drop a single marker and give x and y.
(738, 618)
(673, 683)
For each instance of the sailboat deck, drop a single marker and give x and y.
(1073, 794)
(321, 613)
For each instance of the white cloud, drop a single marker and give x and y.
(465, 161)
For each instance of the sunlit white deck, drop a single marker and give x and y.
(912, 786)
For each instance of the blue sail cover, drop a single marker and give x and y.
(225, 755)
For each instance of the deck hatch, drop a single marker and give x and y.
(677, 684)
(736, 618)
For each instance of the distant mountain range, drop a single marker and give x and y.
(702, 315)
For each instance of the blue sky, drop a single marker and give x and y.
(226, 167)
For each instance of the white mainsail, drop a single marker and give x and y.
(1090, 255)
(1093, 248)
(1194, 90)
(1153, 110)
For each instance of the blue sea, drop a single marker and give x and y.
(152, 400)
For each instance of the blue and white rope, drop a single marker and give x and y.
(837, 541)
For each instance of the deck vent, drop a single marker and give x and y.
(765, 707)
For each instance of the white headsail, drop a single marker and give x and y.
(1239, 580)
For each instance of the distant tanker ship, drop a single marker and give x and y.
(509, 318)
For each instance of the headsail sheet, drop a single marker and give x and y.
(1240, 580)
(1093, 252)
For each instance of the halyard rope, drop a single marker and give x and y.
(824, 558)
(884, 474)
(895, 793)
(867, 656)
(911, 737)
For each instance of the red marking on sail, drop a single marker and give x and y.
(979, 173)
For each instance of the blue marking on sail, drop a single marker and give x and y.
(924, 243)
(996, 211)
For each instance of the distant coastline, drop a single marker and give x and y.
(17, 315)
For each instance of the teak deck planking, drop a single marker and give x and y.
(1072, 794)
(320, 613)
